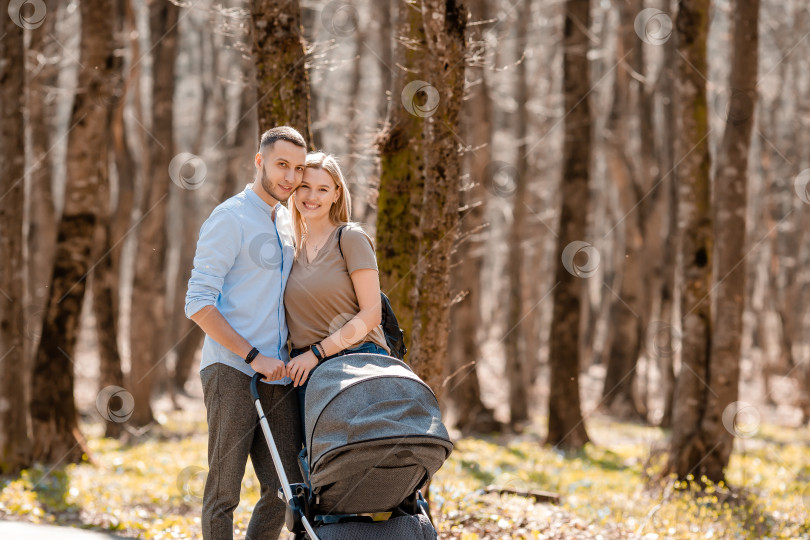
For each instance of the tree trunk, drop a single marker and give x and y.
(114, 225)
(40, 219)
(280, 55)
(783, 282)
(688, 445)
(796, 296)
(240, 172)
(542, 191)
(517, 372)
(354, 124)
(189, 336)
(464, 352)
(401, 146)
(652, 209)
(618, 393)
(53, 411)
(213, 61)
(147, 329)
(730, 188)
(666, 356)
(15, 443)
(566, 427)
(385, 53)
(105, 308)
(444, 22)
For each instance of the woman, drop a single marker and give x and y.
(332, 300)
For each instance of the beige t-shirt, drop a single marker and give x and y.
(319, 298)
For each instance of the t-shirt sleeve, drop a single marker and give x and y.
(358, 250)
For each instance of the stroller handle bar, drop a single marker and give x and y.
(254, 391)
(268, 435)
(282, 475)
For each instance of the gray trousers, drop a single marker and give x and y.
(234, 433)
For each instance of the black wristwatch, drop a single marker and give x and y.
(316, 352)
(254, 352)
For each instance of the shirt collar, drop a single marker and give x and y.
(258, 202)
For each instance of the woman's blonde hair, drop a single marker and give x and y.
(340, 212)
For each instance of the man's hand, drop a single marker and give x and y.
(271, 368)
(299, 367)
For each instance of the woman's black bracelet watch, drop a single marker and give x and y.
(316, 352)
(254, 352)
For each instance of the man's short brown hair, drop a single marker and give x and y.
(281, 133)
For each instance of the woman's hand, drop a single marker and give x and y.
(299, 367)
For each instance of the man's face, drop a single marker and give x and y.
(281, 169)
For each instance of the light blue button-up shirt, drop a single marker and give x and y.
(241, 267)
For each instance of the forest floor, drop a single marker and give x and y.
(151, 487)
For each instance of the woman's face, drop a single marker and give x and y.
(317, 193)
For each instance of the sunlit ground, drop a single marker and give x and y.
(153, 489)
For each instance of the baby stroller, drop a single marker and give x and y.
(374, 437)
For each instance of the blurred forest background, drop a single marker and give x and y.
(585, 211)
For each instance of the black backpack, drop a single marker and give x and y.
(394, 336)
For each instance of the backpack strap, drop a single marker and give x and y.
(393, 334)
(340, 232)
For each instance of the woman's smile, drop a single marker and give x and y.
(309, 205)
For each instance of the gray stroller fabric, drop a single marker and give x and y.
(374, 433)
(412, 527)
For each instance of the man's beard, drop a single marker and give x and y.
(268, 188)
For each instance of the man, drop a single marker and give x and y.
(235, 294)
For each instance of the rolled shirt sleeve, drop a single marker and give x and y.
(217, 249)
(241, 267)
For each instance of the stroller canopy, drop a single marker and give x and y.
(374, 433)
